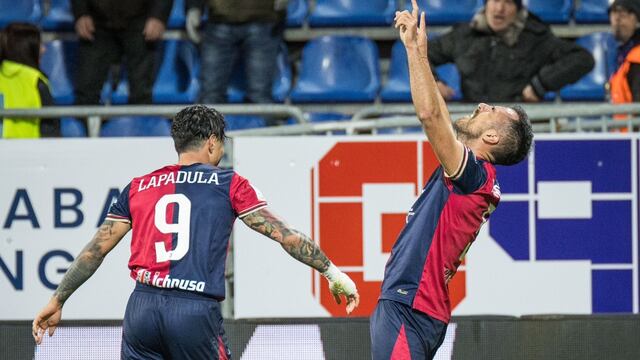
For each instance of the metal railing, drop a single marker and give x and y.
(563, 117)
(95, 114)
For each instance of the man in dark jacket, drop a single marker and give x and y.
(507, 54)
(625, 26)
(110, 30)
(238, 31)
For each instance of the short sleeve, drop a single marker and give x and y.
(119, 210)
(245, 198)
(471, 175)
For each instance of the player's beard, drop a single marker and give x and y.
(463, 133)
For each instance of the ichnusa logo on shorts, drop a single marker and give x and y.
(144, 276)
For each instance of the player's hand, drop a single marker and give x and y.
(413, 31)
(193, 23)
(341, 284)
(47, 318)
(153, 29)
(85, 27)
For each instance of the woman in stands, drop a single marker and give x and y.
(22, 84)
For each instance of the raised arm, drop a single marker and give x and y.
(430, 106)
(305, 250)
(106, 238)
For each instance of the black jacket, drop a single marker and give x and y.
(492, 71)
(243, 11)
(119, 14)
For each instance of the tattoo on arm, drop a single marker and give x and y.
(297, 244)
(86, 263)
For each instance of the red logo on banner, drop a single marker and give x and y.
(337, 211)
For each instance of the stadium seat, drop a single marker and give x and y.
(72, 127)
(297, 12)
(241, 122)
(591, 87)
(281, 80)
(440, 12)
(177, 79)
(58, 63)
(58, 16)
(397, 88)
(352, 13)
(339, 69)
(551, 11)
(592, 11)
(21, 10)
(177, 16)
(136, 126)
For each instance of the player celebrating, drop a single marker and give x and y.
(182, 216)
(413, 310)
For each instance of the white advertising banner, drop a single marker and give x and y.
(53, 194)
(545, 250)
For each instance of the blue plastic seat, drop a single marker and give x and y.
(592, 11)
(177, 79)
(280, 89)
(72, 127)
(352, 12)
(124, 126)
(19, 11)
(591, 87)
(397, 88)
(58, 63)
(297, 12)
(177, 16)
(339, 69)
(551, 11)
(241, 122)
(440, 12)
(58, 17)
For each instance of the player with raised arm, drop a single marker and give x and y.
(414, 309)
(182, 216)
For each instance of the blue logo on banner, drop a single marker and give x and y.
(596, 224)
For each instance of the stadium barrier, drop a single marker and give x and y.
(479, 337)
(564, 117)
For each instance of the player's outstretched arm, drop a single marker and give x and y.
(429, 104)
(106, 238)
(302, 248)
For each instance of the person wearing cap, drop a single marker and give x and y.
(625, 23)
(507, 54)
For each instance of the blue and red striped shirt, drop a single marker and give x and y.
(181, 218)
(441, 225)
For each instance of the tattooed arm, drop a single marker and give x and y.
(106, 238)
(305, 250)
(297, 244)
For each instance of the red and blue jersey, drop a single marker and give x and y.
(181, 218)
(441, 225)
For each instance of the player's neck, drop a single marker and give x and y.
(193, 157)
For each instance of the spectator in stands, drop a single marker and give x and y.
(247, 31)
(507, 54)
(625, 25)
(111, 30)
(22, 84)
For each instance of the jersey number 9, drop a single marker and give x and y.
(182, 227)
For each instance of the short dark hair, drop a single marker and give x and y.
(20, 42)
(516, 144)
(195, 124)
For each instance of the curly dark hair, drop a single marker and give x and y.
(516, 144)
(193, 125)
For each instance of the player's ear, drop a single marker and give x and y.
(491, 137)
